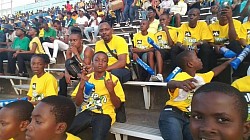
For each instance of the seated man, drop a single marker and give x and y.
(82, 20)
(60, 42)
(153, 23)
(143, 49)
(176, 11)
(49, 33)
(195, 34)
(99, 109)
(92, 26)
(117, 50)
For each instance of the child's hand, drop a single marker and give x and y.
(135, 56)
(187, 85)
(109, 84)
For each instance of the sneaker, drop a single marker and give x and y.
(127, 23)
(156, 78)
(117, 25)
(89, 40)
(52, 60)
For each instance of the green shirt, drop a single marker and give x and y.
(50, 33)
(22, 44)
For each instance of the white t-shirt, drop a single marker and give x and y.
(180, 8)
(82, 20)
(167, 4)
(93, 24)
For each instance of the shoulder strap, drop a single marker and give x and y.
(114, 55)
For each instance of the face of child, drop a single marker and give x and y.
(37, 65)
(197, 64)
(144, 25)
(9, 125)
(43, 123)
(100, 62)
(75, 40)
(164, 20)
(214, 116)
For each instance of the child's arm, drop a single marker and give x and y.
(217, 70)
(186, 85)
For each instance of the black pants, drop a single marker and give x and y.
(11, 63)
(21, 58)
(100, 124)
(206, 54)
(63, 87)
(3, 56)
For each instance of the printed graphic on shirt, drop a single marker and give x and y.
(139, 45)
(35, 95)
(163, 44)
(188, 39)
(248, 35)
(217, 37)
(96, 102)
(110, 55)
(247, 96)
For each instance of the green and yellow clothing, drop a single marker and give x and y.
(72, 137)
(117, 45)
(161, 37)
(42, 87)
(21, 44)
(141, 41)
(39, 48)
(187, 36)
(220, 33)
(41, 32)
(183, 102)
(50, 33)
(153, 26)
(245, 32)
(99, 101)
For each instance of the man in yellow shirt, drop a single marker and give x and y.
(174, 119)
(99, 105)
(194, 35)
(143, 49)
(117, 52)
(153, 23)
(166, 37)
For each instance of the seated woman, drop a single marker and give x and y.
(35, 47)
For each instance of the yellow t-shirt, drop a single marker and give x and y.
(100, 13)
(245, 32)
(117, 45)
(242, 84)
(188, 36)
(42, 87)
(153, 26)
(41, 33)
(72, 137)
(99, 101)
(39, 48)
(141, 41)
(183, 102)
(161, 37)
(220, 33)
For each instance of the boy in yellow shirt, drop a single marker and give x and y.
(142, 48)
(99, 107)
(174, 119)
(51, 119)
(14, 119)
(219, 111)
(42, 84)
(195, 35)
(245, 32)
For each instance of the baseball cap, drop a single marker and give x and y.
(7, 26)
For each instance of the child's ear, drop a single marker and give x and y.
(246, 130)
(190, 64)
(23, 125)
(61, 127)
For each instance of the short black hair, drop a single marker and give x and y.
(76, 30)
(222, 88)
(165, 13)
(22, 109)
(100, 52)
(57, 22)
(37, 30)
(151, 8)
(63, 108)
(69, 13)
(44, 57)
(182, 58)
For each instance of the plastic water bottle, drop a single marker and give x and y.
(236, 62)
(248, 71)
(173, 73)
(88, 90)
(227, 53)
(145, 66)
(151, 42)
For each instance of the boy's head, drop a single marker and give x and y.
(14, 119)
(187, 60)
(214, 9)
(39, 62)
(51, 118)
(100, 61)
(164, 19)
(144, 25)
(219, 111)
